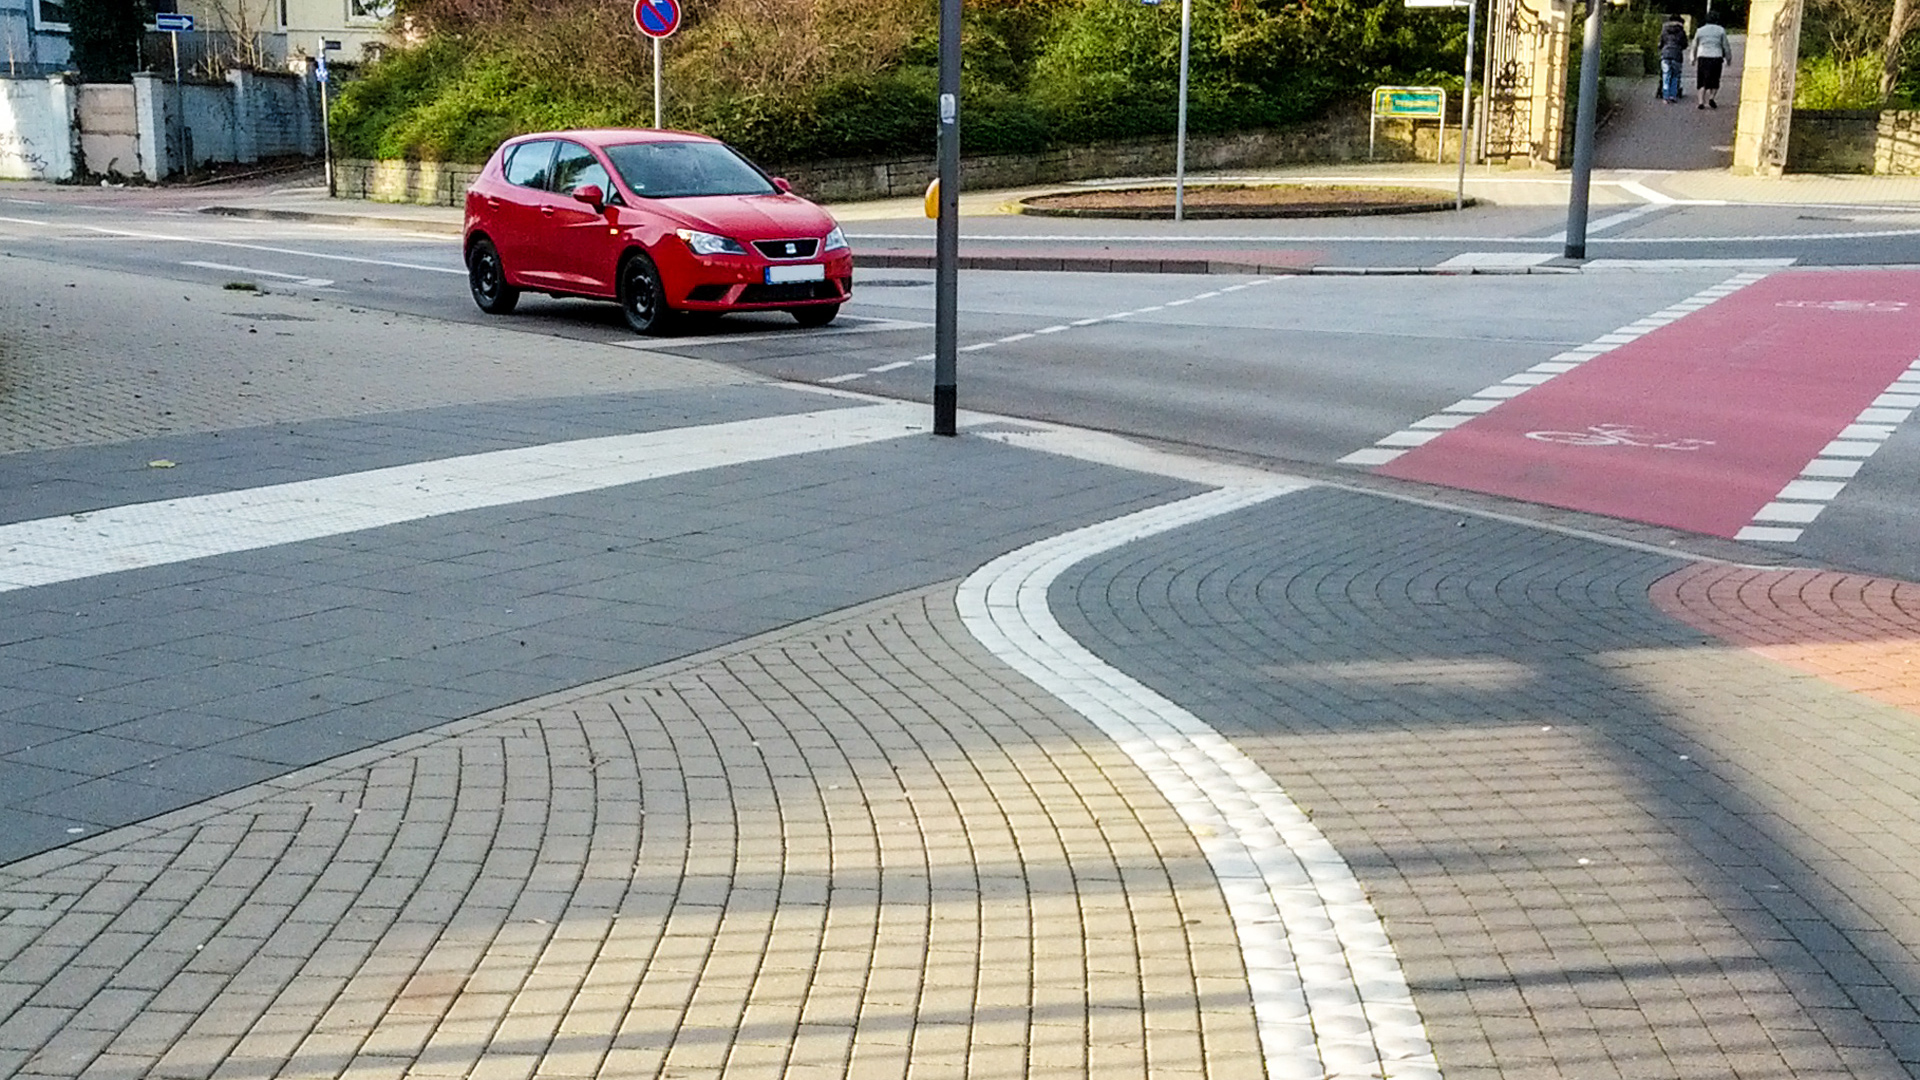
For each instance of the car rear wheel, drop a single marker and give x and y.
(815, 314)
(643, 297)
(489, 279)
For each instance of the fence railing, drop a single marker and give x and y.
(208, 54)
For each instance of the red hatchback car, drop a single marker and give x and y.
(666, 223)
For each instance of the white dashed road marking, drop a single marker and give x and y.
(1801, 500)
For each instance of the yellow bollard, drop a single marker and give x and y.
(933, 199)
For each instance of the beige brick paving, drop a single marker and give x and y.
(861, 849)
(89, 357)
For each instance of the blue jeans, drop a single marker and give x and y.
(1670, 78)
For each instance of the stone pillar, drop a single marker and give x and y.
(64, 112)
(150, 121)
(245, 116)
(1552, 63)
(1766, 87)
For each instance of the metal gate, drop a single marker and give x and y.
(1514, 36)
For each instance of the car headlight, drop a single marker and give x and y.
(706, 243)
(835, 241)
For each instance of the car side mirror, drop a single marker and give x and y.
(785, 186)
(591, 195)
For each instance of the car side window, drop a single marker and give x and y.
(530, 164)
(576, 166)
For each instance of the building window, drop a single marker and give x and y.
(50, 14)
(369, 10)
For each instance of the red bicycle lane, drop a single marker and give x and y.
(1699, 424)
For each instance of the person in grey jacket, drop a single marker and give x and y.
(1711, 49)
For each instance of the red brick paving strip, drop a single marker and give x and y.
(1860, 632)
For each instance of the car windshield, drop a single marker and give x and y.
(666, 170)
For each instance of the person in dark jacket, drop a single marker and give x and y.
(1673, 58)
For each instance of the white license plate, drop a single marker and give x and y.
(780, 275)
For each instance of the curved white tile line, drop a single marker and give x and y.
(1329, 998)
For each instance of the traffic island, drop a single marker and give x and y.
(1215, 201)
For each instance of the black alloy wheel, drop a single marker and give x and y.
(643, 297)
(488, 279)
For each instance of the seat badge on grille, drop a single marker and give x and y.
(792, 250)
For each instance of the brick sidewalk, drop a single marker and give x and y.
(858, 849)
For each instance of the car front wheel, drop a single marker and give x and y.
(489, 279)
(815, 314)
(643, 297)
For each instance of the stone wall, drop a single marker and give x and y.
(1855, 141)
(37, 121)
(432, 183)
(1340, 137)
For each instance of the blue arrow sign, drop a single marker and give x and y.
(657, 18)
(173, 23)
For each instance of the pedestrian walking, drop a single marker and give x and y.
(1673, 58)
(1711, 49)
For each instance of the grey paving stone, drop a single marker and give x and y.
(1489, 722)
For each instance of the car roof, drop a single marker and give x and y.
(616, 136)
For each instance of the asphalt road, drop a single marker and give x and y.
(1309, 370)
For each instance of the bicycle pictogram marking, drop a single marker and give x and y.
(1617, 435)
(1883, 306)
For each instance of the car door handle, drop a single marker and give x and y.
(546, 211)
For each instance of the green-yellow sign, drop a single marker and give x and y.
(1410, 102)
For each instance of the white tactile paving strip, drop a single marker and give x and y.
(1426, 429)
(1801, 501)
(1330, 1000)
(49, 550)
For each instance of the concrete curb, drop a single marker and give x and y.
(899, 261)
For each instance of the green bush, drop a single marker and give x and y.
(798, 80)
(1826, 82)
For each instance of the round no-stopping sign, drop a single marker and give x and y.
(656, 18)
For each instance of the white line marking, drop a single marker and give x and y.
(130, 234)
(895, 366)
(1497, 260)
(1798, 513)
(848, 377)
(309, 282)
(1329, 997)
(1051, 329)
(26, 221)
(1832, 467)
(978, 347)
(1635, 187)
(1011, 338)
(49, 550)
(1768, 534)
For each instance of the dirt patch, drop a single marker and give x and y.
(1240, 201)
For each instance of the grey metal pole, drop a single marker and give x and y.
(1180, 146)
(180, 105)
(1583, 125)
(946, 288)
(1466, 110)
(657, 113)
